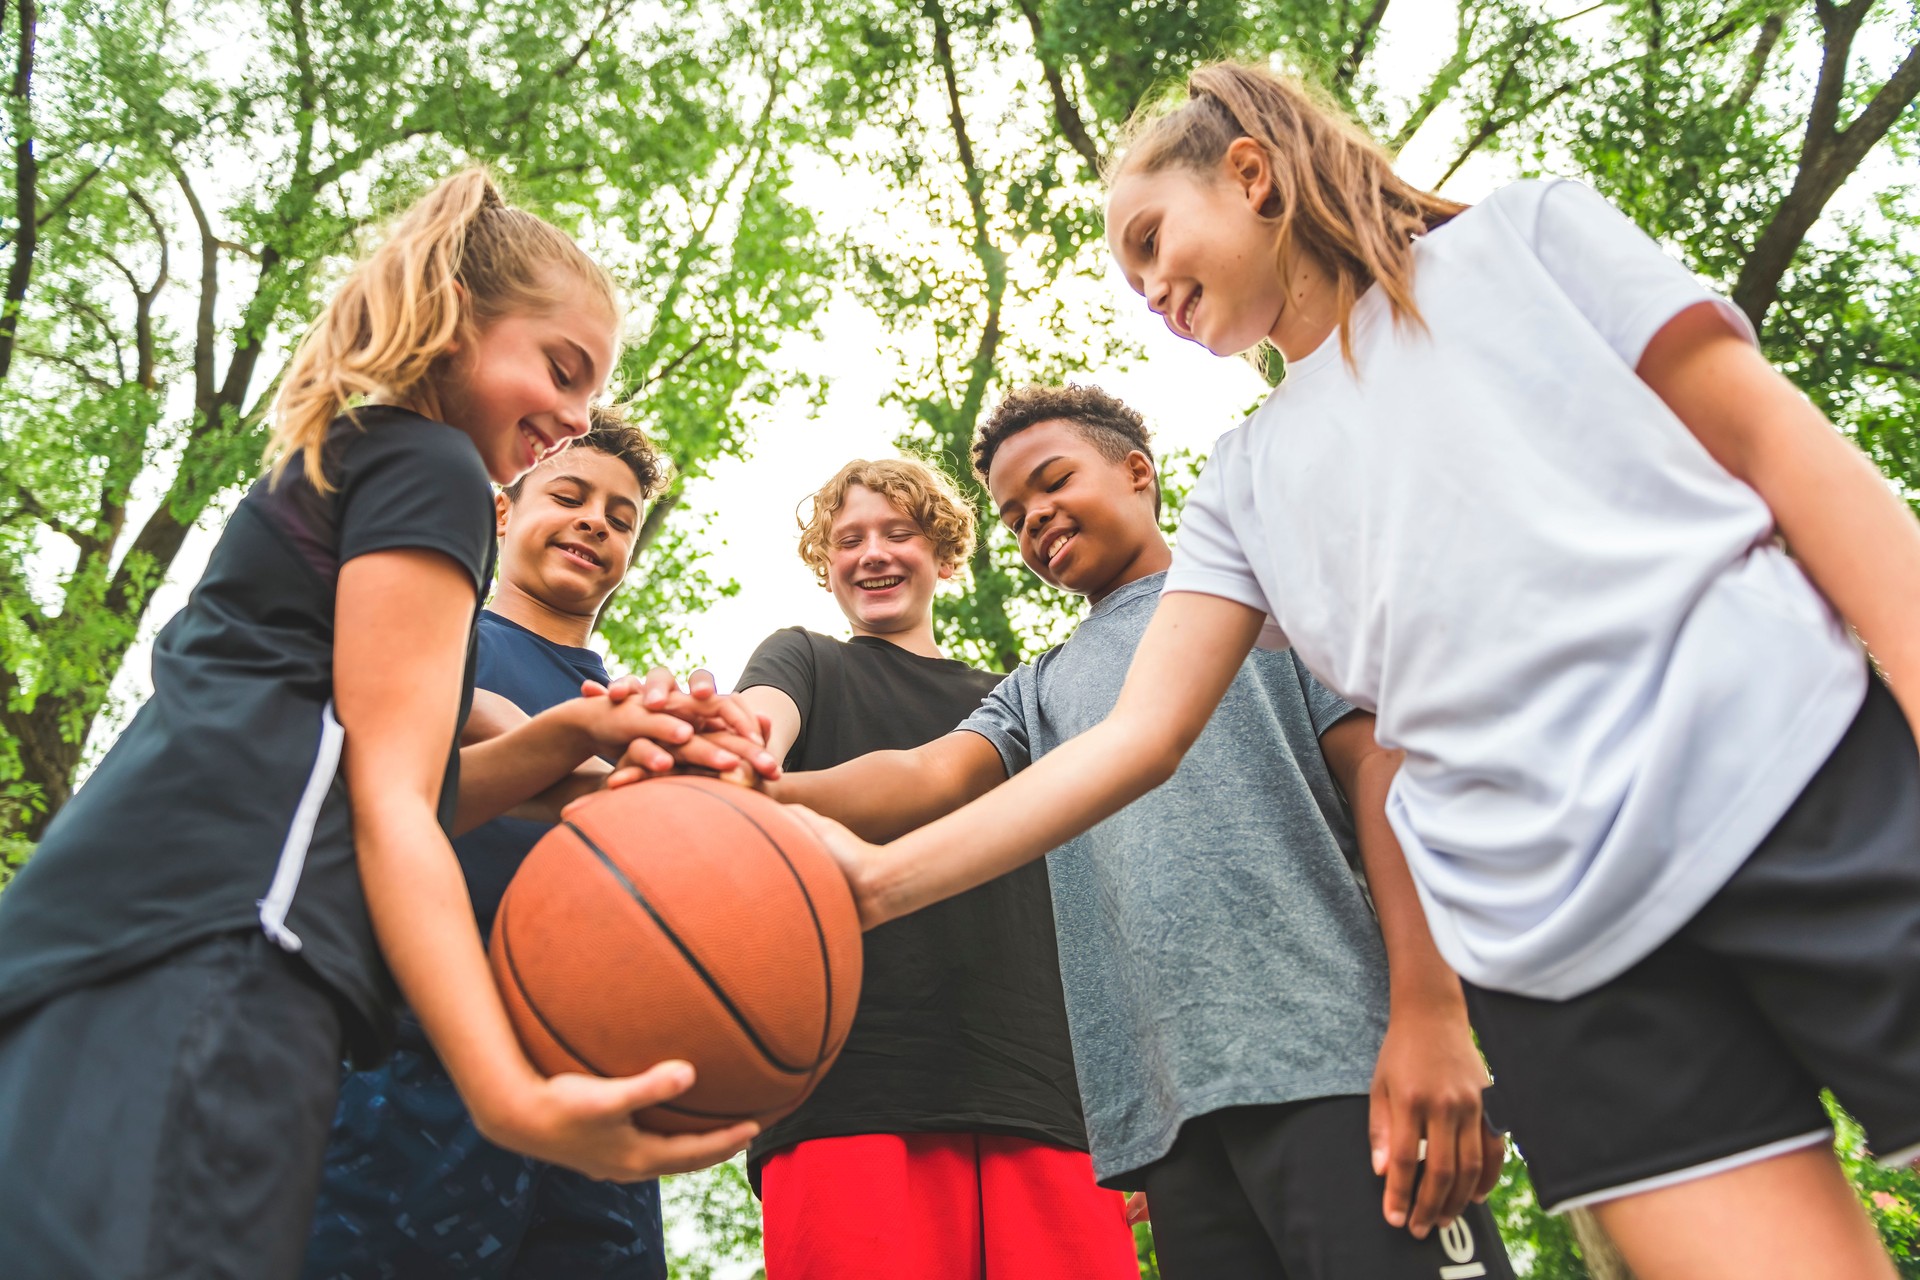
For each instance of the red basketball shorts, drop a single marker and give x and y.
(941, 1206)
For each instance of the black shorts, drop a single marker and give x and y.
(169, 1121)
(1802, 972)
(1288, 1192)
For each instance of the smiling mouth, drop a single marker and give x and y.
(1051, 551)
(578, 553)
(542, 446)
(879, 584)
(1183, 321)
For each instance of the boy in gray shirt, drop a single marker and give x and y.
(1228, 985)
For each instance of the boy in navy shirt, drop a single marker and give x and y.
(410, 1187)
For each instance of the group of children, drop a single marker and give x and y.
(1480, 654)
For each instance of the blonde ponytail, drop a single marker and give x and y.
(459, 256)
(1336, 195)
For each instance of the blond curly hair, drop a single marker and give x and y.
(921, 493)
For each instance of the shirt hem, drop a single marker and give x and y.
(1665, 906)
(1119, 1169)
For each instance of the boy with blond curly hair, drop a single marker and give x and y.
(947, 1142)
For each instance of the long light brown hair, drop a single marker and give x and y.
(460, 257)
(1335, 194)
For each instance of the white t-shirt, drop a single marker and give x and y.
(1609, 680)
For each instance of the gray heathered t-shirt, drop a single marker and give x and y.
(1216, 947)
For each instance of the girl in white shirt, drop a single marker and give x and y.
(1519, 494)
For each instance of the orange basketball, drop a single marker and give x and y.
(683, 917)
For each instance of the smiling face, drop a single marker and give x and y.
(522, 386)
(1085, 522)
(568, 539)
(881, 566)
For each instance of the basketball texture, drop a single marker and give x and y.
(683, 917)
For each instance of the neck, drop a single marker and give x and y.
(1153, 556)
(1307, 318)
(916, 639)
(541, 618)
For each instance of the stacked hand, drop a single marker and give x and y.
(652, 726)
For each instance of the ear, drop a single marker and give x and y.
(947, 569)
(1140, 472)
(1250, 170)
(502, 504)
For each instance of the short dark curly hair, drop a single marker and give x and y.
(1103, 421)
(610, 432)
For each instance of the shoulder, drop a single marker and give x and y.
(379, 436)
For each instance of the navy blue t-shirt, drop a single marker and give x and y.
(533, 673)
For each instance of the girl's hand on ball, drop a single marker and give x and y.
(586, 1123)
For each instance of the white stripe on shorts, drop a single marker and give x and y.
(1661, 1181)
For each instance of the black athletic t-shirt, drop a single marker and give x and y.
(221, 807)
(961, 1025)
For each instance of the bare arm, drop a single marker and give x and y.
(1857, 541)
(1426, 1086)
(780, 712)
(401, 621)
(886, 794)
(1185, 662)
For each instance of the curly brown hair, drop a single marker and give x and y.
(610, 432)
(920, 492)
(1103, 421)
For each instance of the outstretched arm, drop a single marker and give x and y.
(1426, 1086)
(888, 793)
(1185, 662)
(400, 636)
(1857, 541)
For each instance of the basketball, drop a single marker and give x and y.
(683, 917)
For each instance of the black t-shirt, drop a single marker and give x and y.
(221, 807)
(533, 673)
(961, 1025)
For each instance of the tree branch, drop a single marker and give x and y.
(26, 180)
(1065, 114)
(1763, 47)
(1349, 67)
(203, 328)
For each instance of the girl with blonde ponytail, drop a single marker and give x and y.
(1520, 494)
(211, 924)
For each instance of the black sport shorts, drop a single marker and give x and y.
(1803, 971)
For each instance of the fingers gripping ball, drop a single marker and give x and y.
(683, 918)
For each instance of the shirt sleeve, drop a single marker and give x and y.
(1207, 556)
(1324, 707)
(784, 661)
(1623, 282)
(1002, 720)
(417, 485)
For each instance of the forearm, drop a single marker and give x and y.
(1082, 782)
(1856, 540)
(504, 772)
(880, 796)
(423, 920)
(1417, 975)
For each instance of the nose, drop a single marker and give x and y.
(575, 418)
(1159, 294)
(592, 521)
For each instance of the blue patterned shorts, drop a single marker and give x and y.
(411, 1190)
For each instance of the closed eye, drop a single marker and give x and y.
(561, 378)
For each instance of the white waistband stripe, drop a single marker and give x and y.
(1725, 1163)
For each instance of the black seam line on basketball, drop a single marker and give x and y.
(686, 953)
(819, 933)
(506, 949)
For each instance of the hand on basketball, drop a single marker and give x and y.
(586, 1123)
(856, 858)
(697, 728)
(1426, 1095)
